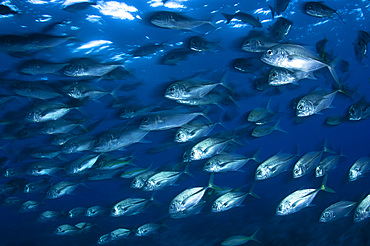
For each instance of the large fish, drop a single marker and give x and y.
(296, 57)
(314, 103)
(362, 211)
(173, 20)
(337, 211)
(318, 9)
(280, 162)
(359, 168)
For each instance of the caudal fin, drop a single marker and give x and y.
(228, 17)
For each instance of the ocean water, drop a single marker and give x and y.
(121, 27)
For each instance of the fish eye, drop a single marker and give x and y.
(274, 74)
(259, 172)
(247, 42)
(269, 52)
(192, 154)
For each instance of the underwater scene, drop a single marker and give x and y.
(182, 122)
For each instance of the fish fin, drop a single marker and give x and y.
(253, 237)
(255, 156)
(278, 128)
(250, 192)
(311, 75)
(326, 149)
(228, 17)
(340, 17)
(272, 12)
(324, 187)
(186, 171)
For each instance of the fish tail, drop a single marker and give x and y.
(228, 17)
(204, 113)
(332, 70)
(253, 237)
(255, 156)
(250, 192)
(211, 185)
(272, 12)
(324, 187)
(278, 128)
(340, 17)
(326, 149)
(186, 171)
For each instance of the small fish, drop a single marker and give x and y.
(280, 28)
(300, 199)
(109, 162)
(61, 126)
(174, 56)
(78, 144)
(263, 130)
(76, 212)
(148, 50)
(34, 90)
(49, 216)
(319, 9)
(29, 206)
(359, 168)
(314, 103)
(81, 164)
(227, 162)
(259, 113)
(130, 206)
(282, 76)
(60, 189)
(163, 179)
(240, 240)
(193, 130)
(231, 200)
(35, 186)
(273, 166)
(43, 168)
(84, 67)
(361, 49)
(327, 164)
(119, 234)
(362, 211)
(244, 17)
(67, 230)
(365, 36)
(359, 110)
(258, 44)
(246, 65)
(38, 67)
(337, 210)
(199, 44)
(165, 121)
(335, 120)
(279, 7)
(173, 20)
(139, 181)
(95, 211)
(134, 171)
(147, 229)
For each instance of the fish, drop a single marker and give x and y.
(279, 7)
(119, 234)
(263, 130)
(118, 138)
(81, 164)
(147, 229)
(61, 126)
(360, 48)
(174, 56)
(300, 199)
(80, 90)
(244, 17)
(336, 211)
(365, 36)
(200, 44)
(194, 87)
(280, 28)
(168, 120)
(95, 211)
(78, 144)
(258, 44)
(34, 90)
(108, 162)
(319, 9)
(173, 20)
(134, 171)
(29, 206)
(193, 130)
(259, 113)
(308, 162)
(273, 166)
(140, 180)
(207, 148)
(359, 110)
(281, 76)
(67, 230)
(48, 216)
(362, 210)
(327, 164)
(163, 179)
(296, 57)
(188, 199)
(6, 10)
(359, 168)
(335, 120)
(228, 162)
(76, 212)
(40, 67)
(314, 103)
(246, 65)
(239, 240)
(36, 186)
(60, 189)
(130, 206)
(86, 67)
(43, 168)
(148, 50)
(231, 200)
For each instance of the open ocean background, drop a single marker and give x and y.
(123, 26)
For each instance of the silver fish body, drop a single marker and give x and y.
(337, 210)
(306, 163)
(274, 165)
(228, 200)
(362, 211)
(314, 103)
(129, 206)
(359, 168)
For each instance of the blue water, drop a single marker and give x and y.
(146, 88)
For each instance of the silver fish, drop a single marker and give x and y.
(82, 163)
(314, 103)
(274, 165)
(282, 76)
(359, 110)
(130, 206)
(95, 211)
(60, 189)
(76, 212)
(84, 67)
(173, 20)
(48, 216)
(163, 179)
(119, 234)
(147, 229)
(263, 130)
(362, 211)
(199, 44)
(337, 211)
(327, 164)
(299, 199)
(308, 162)
(67, 230)
(139, 181)
(193, 130)
(37, 67)
(296, 57)
(240, 240)
(359, 168)
(227, 162)
(244, 17)
(258, 44)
